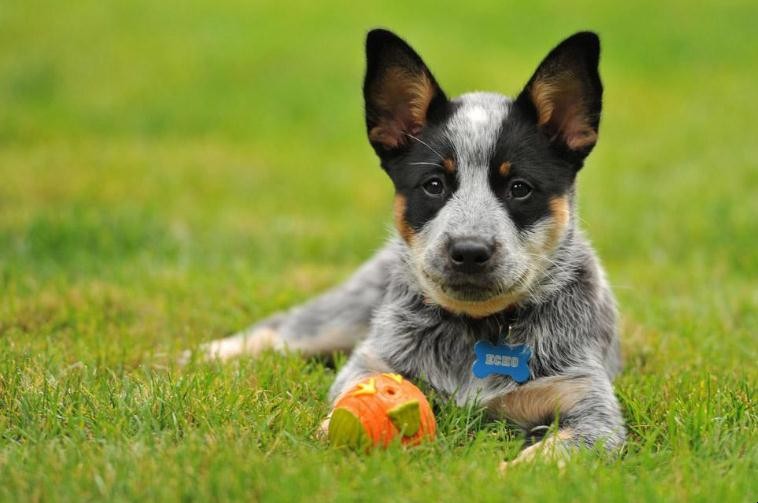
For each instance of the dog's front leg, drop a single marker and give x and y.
(583, 403)
(362, 363)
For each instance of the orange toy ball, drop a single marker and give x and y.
(379, 409)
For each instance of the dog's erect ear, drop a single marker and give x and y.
(400, 93)
(564, 96)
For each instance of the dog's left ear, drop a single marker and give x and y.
(564, 96)
(401, 95)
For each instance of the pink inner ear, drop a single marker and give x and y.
(403, 100)
(561, 109)
(389, 133)
(580, 138)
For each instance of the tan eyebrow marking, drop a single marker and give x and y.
(505, 168)
(449, 166)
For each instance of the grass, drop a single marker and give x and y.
(171, 171)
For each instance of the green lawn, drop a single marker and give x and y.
(172, 171)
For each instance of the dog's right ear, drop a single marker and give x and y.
(400, 93)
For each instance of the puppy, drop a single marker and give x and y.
(487, 250)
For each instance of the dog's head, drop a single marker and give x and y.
(484, 184)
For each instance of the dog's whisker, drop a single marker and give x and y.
(426, 145)
(452, 146)
(421, 163)
(542, 258)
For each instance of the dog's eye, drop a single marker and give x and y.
(520, 190)
(434, 186)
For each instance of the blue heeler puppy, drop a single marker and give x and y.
(488, 248)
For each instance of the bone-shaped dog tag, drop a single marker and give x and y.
(507, 360)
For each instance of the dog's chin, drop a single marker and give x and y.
(469, 299)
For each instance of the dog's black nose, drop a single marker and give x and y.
(470, 255)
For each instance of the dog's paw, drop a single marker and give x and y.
(184, 358)
(553, 448)
(247, 343)
(322, 433)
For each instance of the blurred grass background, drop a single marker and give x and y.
(171, 171)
